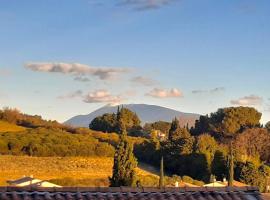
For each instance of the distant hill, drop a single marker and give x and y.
(147, 114)
(7, 127)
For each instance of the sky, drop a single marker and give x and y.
(61, 58)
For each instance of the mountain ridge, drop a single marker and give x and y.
(147, 113)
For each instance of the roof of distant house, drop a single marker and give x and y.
(123, 193)
(182, 184)
(225, 183)
(29, 180)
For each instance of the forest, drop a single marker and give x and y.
(200, 152)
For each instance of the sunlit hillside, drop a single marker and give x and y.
(7, 127)
(70, 171)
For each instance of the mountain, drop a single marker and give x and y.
(147, 114)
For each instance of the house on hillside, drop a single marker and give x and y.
(159, 134)
(29, 181)
(224, 183)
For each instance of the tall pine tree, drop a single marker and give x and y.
(174, 130)
(161, 176)
(231, 167)
(125, 162)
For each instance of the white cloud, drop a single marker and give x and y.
(212, 91)
(145, 4)
(81, 79)
(102, 96)
(267, 109)
(143, 81)
(251, 100)
(77, 69)
(162, 93)
(77, 93)
(130, 93)
(4, 72)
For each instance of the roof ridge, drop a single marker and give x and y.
(129, 189)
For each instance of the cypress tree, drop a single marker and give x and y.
(120, 125)
(187, 127)
(174, 130)
(161, 176)
(118, 113)
(231, 168)
(125, 162)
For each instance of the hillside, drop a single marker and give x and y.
(69, 171)
(7, 127)
(147, 114)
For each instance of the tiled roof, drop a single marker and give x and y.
(122, 193)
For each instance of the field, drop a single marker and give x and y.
(7, 127)
(66, 171)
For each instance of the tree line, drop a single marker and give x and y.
(45, 142)
(200, 152)
(229, 138)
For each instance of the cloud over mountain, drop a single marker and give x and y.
(102, 96)
(163, 93)
(251, 100)
(77, 69)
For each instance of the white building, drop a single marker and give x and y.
(32, 182)
(224, 183)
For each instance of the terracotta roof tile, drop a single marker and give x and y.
(124, 193)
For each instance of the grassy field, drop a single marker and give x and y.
(67, 171)
(7, 127)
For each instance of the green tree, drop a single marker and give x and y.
(179, 142)
(231, 168)
(206, 145)
(129, 119)
(228, 121)
(249, 174)
(10, 115)
(255, 176)
(161, 176)
(219, 165)
(109, 122)
(177, 150)
(162, 126)
(174, 132)
(125, 163)
(202, 125)
(253, 144)
(185, 142)
(104, 123)
(264, 172)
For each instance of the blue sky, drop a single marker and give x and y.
(60, 58)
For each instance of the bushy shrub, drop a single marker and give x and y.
(47, 142)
